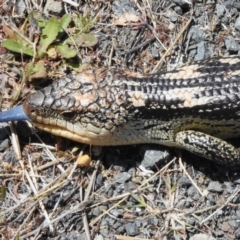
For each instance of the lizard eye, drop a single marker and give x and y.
(68, 115)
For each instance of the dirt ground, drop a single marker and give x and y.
(45, 193)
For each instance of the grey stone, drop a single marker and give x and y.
(4, 144)
(184, 182)
(98, 237)
(117, 212)
(171, 15)
(229, 4)
(99, 179)
(155, 52)
(131, 229)
(122, 177)
(193, 193)
(237, 24)
(20, 7)
(234, 223)
(225, 20)
(9, 156)
(196, 35)
(231, 44)
(237, 234)
(228, 187)
(202, 51)
(96, 211)
(191, 221)
(104, 232)
(153, 156)
(215, 186)
(201, 236)
(121, 229)
(220, 10)
(119, 7)
(178, 10)
(53, 6)
(238, 213)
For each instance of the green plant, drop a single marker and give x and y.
(53, 41)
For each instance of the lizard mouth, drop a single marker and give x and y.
(62, 132)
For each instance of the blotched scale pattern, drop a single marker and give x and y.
(193, 107)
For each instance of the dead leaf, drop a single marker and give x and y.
(126, 19)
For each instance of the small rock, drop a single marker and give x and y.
(9, 156)
(234, 224)
(220, 10)
(178, 10)
(202, 51)
(193, 193)
(98, 237)
(184, 182)
(96, 211)
(117, 212)
(237, 234)
(123, 6)
(99, 180)
(154, 156)
(155, 52)
(231, 44)
(20, 7)
(53, 6)
(120, 230)
(201, 236)
(196, 35)
(237, 24)
(215, 186)
(4, 144)
(131, 229)
(172, 16)
(229, 187)
(238, 213)
(225, 20)
(122, 177)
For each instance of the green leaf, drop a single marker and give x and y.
(83, 40)
(65, 20)
(41, 22)
(38, 71)
(65, 51)
(49, 34)
(15, 46)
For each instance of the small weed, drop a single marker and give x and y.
(53, 41)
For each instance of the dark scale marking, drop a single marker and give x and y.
(156, 98)
(143, 89)
(130, 88)
(162, 98)
(209, 93)
(149, 89)
(165, 88)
